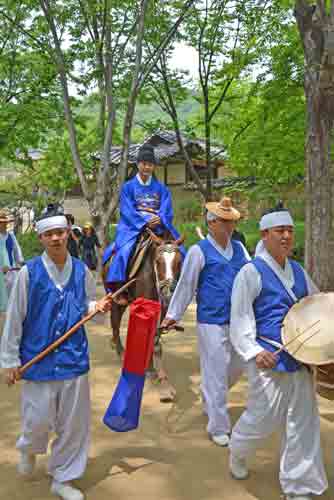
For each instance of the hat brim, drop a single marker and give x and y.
(229, 214)
(308, 329)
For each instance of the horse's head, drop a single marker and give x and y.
(167, 264)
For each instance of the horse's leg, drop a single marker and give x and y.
(116, 314)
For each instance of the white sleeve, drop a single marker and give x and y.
(18, 255)
(247, 286)
(311, 286)
(16, 313)
(90, 291)
(187, 284)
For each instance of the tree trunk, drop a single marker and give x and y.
(209, 185)
(316, 29)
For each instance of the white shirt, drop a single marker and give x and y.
(191, 269)
(18, 305)
(246, 288)
(17, 252)
(140, 180)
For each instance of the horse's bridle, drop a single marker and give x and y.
(170, 247)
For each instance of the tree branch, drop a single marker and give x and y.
(24, 31)
(164, 44)
(130, 107)
(45, 5)
(189, 165)
(221, 98)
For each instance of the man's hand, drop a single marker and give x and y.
(154, 221)
(103, 305)
(168, 324)
(266, 360)
(11, 375)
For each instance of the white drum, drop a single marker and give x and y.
(308, 330)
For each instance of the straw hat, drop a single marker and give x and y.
(307, 329)
(88, 225)
(4, 217)
(223, 209)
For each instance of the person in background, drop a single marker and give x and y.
(239, 236)
(73, 237)
(11, 259)
(89, 246)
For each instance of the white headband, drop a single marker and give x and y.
(49, 223)
(275, 219)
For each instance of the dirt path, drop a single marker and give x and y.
(170, 456)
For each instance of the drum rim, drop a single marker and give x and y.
(305, 358)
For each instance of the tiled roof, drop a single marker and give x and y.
(165, 147)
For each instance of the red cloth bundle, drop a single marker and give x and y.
(124, 409)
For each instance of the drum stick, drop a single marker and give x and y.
(297, 336)
(70, 332)
(304, 341)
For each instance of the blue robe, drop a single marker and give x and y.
(134, 199)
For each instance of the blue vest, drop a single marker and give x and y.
(215, 283)
(10, 249)
(51, 312)
(271, 307)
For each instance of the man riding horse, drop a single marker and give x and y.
(146, 216)
(144, 203)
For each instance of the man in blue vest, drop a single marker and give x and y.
(52, 293)
(281, 392)
(13, 249)
(208, 271)
(10, 259)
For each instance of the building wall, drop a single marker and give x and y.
(176, 174)
(159, 172)
(224, 171)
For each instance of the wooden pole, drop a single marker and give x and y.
(66, 335)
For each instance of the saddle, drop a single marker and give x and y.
(137, 258)
(141, 250)
(139, 255)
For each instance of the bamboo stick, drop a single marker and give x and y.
(67, 334)
(299, 335)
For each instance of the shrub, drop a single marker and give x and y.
(188, 209)
(188, 231)
(30, 244)
(250, 229)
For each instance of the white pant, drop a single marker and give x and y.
(2, 321)
(284, 401)
(10, 279)
(62, 407)
(221, 367)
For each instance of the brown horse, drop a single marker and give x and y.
(156, 278)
